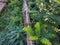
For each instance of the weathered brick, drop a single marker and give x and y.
(2, 6)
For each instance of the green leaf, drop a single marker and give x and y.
(29, 30)
(34, 38)
(51, 35)
(58, 1)
(37, 29)
(45, 41)
(43, 26)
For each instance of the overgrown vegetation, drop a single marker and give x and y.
(44, 16)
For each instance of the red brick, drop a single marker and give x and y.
(2, 6)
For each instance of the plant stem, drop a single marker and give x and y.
(27, 19)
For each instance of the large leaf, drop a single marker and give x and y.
(37, 29)
(58, 1)
(45, 41)
(34, 38)
(29, 30)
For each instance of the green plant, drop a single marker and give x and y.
(44, 15)
(14, 36)
(46, 41)
(37, 33)
(11, 24)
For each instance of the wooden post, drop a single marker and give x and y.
(27, 19)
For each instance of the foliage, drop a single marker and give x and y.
(37, 34)
(45, 41)
(11, 24)
(47, 12)
(44, 15)
(14, 36)
(34, 34)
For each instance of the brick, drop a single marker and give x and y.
(4, 1)
(2, 6)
